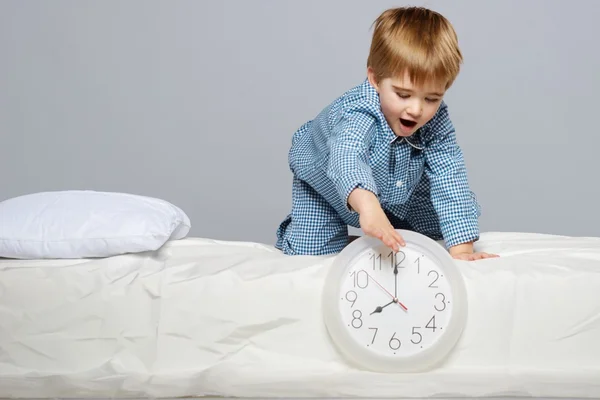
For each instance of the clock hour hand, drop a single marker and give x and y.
(380, 308)
(394, 298)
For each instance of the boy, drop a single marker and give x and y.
(384, 154)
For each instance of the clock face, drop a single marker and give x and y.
(395, 304)
(394, 312)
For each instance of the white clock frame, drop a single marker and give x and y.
(364, 358)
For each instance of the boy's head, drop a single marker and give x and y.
(414, 58)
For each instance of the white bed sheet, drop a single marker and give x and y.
(210, 318)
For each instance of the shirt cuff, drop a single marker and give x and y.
(463, 231)
(347, 183)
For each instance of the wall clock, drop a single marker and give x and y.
(395, 312)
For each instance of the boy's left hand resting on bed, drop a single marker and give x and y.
(465, 252)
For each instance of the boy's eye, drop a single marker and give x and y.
(432, 100)
(404, 96)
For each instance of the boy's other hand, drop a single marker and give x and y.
(373, 220)
(465, 252)
(473, 256)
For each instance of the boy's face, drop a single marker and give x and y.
(407, 107)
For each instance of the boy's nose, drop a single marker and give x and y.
(415, 110)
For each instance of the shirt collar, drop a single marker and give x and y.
(414, 141)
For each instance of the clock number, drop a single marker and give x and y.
(431, 324)
(418, 262)
(394, 259)
(357, 281)
(355, 318)
(393, 341)
(414, 332)
(374, 335)
(402, 260)
(353, 300)
(375, 258)
(443, 302)
(437, 276)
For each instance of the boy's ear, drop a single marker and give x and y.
(372, 79)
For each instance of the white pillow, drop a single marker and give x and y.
(84, 224)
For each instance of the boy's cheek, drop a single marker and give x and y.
(391, 109)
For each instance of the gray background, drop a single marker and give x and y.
(195, 102)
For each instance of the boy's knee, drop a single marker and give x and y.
(297, 242)
(311, 247)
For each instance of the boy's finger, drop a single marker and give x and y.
(488, 255)
(399, 238)
(394, 240)
(391, 243)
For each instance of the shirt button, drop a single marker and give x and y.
(399, 183)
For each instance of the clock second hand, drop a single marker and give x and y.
(395, 300)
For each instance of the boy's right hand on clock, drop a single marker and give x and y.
(373, 220)
(376, 224)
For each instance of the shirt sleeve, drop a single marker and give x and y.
(450, 193)
(348, 164)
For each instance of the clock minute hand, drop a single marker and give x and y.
(395, 280)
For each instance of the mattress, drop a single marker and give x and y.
(202, 317)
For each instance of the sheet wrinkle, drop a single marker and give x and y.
(225, 357)
(192, 271)
(132, 275)
(150, 293)
(158, 303)
(34, 350)
(589, 323)
(247, 332)
(208, 349)
(64, 327)
(178, 335)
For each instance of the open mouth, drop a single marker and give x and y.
(408, 123)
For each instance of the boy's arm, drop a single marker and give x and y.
(373, 220)
(348, 164)
(349, 170)
(450, 193)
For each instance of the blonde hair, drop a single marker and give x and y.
(419, 41)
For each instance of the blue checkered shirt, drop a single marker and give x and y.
(421, 179)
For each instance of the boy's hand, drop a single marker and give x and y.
(373, 220)
(473, 256)
(465, 252)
